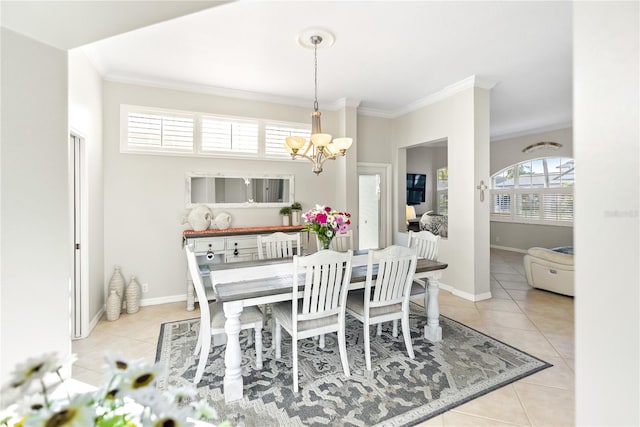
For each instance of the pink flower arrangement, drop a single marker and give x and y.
(326, 223)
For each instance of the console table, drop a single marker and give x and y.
(227, 246)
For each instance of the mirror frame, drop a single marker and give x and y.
(190, 204)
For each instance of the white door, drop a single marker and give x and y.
(373, 206)
(79, 293)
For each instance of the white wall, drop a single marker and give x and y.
(463, 120)
(85, 118)
(144, 194)
(36, 245)
(606, 145)
(375, 139)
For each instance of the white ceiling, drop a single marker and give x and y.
(388, 56)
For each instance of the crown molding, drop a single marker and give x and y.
(452, 89)
(229, 93)
(530, 131)
(205, 89)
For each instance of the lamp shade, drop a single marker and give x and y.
(343, 143)
(294, 142)
(410, 213)
(320, 139)
(332, 149)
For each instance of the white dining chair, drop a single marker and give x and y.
(324, 280)
(278, 245)
(212, 319)
(426, 246)
(341, 242)
(388, 297)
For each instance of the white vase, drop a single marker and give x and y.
(285, 220)
(296, 217)
(114, 305)
(117, 283)
(133, 296)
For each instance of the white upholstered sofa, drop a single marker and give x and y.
(550, 269)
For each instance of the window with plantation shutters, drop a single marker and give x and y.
(230, 136)
(159, 131)
(276, 134)
(538, 191)
(151, 130)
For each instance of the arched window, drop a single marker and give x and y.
(538, 191)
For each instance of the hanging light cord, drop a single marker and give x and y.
(315, 40)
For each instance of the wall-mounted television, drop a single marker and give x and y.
(416, 186)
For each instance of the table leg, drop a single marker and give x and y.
(232, 356)
(433, 330)
(191, 299)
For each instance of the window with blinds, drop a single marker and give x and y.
(534, 191)
(276, 134)
(155, 130)
(150, 131)
(229, 136)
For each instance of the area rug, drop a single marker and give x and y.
(398, 391)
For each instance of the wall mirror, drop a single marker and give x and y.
(236, 191)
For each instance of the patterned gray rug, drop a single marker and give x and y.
(398, 391)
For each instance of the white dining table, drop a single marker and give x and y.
(245, 284)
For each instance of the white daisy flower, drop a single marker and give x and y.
(181, 394)
(204, 411)
(78, 413)
(33, 369)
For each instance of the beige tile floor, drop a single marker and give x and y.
(538, 322)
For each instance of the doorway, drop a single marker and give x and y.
(374, 205)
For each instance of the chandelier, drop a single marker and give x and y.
(320, 147)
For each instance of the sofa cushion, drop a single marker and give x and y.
(551, 255)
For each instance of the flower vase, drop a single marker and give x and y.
(325, 242)
(133, 296)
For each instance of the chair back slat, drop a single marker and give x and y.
(396, 268)
(425, 243)
(278, 245)
(326, 281)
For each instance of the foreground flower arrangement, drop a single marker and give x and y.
(326, 223)
(128, 399)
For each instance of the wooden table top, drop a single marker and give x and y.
(282, 283)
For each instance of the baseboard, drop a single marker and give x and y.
(465, 295)
(507, 248)
(92, 325)
(95, 320)
(163, 300)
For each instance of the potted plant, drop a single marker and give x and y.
(296, 213)
(286, 214)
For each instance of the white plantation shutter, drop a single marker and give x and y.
(276, 134)
(157, 130)
(527, 206)
(501, 205)
(558, 207)
(225, 135)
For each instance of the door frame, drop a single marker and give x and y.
(384, 170)
(78, 215)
